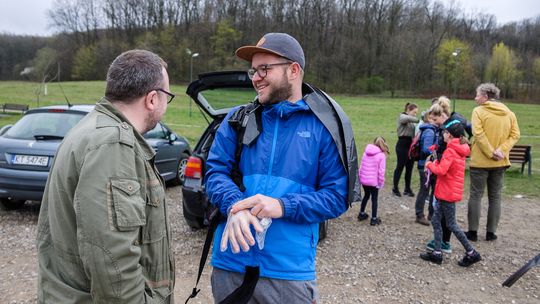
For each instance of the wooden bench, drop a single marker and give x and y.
(14, 107)
(521, 154)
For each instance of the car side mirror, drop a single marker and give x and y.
(4, 129)
(172, 138)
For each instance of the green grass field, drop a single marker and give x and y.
(370, 117)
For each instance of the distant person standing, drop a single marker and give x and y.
(428, 138)
(495, 130)
(103, 231)
(406, 124)
(371, 173)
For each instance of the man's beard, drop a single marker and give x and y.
(281, 91)
(151, 122)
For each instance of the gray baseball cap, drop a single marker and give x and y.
(280, 44)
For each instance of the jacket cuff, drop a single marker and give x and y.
(288, 208)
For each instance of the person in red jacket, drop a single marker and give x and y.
(450, 171)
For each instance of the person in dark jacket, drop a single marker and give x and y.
(406, 124)
(294, 179)
(428, 137)
(450, 170)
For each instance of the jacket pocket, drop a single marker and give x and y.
(128, 204)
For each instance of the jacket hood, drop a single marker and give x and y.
(496, 108)
(425, 126)
(462, 149)
(372, 149)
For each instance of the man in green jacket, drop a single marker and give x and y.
(103, 231)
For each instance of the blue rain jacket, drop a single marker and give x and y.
(294, 159)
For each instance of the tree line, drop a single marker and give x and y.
(419, 47)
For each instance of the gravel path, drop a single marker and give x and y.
(358, 263)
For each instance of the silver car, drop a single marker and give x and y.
(28, 147)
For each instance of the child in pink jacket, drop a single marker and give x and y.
(371, 175)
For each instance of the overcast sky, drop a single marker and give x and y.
(29, 17)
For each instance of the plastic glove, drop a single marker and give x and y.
(265, 223)
(237, 231)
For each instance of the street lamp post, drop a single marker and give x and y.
(191, 56)
(456, 53)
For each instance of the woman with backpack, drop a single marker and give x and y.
(405, 130)
(440, 115)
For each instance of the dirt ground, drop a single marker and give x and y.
(357, 263)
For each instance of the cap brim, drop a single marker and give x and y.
(247, 52)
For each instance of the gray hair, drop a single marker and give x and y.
(133, 74)
(489, 89)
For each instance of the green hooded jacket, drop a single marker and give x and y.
(103, 230)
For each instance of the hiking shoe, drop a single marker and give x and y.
(490, 236)
(375, 221)
(396, 192)
(445, 247)
(471, 235)
(422, 220)
(408, 192)
(432, 257)
(363, 216)
(470, 259)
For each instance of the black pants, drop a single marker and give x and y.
(374, 193)
(403, 161)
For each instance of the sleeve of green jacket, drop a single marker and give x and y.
(110, 210)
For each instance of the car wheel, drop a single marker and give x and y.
(11, 204)
(179, 178)
(193, 221)
(323, 229)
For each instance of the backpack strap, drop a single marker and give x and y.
(214, 221)
(247, 117)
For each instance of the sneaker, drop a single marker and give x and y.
(408, 192)
(432, 257)
(375, 221)
(471, 235)
(363, 216)
(396, 192)
(445, 247)
(490, 236)
(470, 259)
(422, 220)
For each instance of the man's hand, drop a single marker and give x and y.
(237, 231)
(261, 206)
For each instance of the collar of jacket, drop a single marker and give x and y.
(127, 130)
(284, 109)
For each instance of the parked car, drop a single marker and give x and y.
(27, 150)
(216, 94)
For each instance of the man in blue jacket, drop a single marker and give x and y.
(292, 174)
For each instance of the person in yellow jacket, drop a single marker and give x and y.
(495, 130)
(103, 230)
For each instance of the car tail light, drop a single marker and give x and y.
(194, 167)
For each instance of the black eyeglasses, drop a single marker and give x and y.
(171, 95)
(262, 70)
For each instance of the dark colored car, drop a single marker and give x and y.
(216, 94)
(27, 150)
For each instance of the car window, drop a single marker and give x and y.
(224, 98)
(43, 124)
(158, 132)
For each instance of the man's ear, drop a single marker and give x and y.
(150, 100)
(295, 70)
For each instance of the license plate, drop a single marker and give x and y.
(31, 160)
